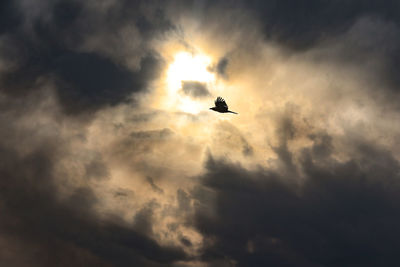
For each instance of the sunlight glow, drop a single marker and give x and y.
(187, 67)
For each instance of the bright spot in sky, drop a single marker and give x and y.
(187, 67)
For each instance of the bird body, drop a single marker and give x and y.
(221, 106)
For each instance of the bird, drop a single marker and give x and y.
(221, 106)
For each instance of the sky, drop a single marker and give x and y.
(110, 155)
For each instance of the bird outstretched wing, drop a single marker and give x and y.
(220, 103)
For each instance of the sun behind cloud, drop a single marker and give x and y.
(187, 67)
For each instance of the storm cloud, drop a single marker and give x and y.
(341, 215)
(110, 157)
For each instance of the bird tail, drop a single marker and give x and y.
(232, 112)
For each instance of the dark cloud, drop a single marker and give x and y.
(195, 89)
(85, 81)
(186, 242)
(302, 24)
(10, 17)
(343, 214)
(143, 219)
(221, 66)
(89, 81)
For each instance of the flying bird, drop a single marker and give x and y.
(221, 106)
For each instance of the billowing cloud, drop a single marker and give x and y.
(110, 157)
(338, 214)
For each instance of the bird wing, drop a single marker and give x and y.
(220, 103)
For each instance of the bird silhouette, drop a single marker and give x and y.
(221, 106)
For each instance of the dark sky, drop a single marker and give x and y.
(110, 156)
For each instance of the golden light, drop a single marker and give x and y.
(187, 67)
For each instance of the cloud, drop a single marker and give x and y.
(222, 65)
(303, 25)
(49, 214)
(154, 134)
(154, 186)
(31, 202)
(338, 215)
(195, 89)
(10, 17)
(227, 135)
(100, 166)
(86, 79)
